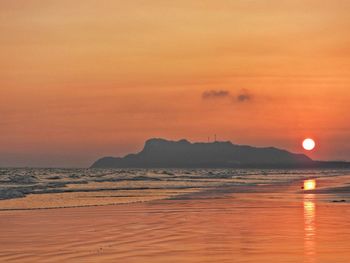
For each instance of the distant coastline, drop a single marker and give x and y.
(162, 153)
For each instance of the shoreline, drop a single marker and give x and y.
(255, 224)
(202, 193)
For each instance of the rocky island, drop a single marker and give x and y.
(162, 153)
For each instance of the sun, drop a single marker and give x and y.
(309, 144)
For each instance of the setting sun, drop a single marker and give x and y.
(309, 144)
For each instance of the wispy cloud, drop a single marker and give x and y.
(244, 96)
(210, 94)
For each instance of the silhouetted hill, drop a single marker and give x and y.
(161, 153)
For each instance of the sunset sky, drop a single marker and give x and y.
(84, 79)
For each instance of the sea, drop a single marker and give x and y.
(38, 188)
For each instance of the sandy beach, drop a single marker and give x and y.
(268, 223)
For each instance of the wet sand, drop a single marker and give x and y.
(278, 223)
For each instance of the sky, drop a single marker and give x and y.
(84, 79)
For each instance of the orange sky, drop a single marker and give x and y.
(83, 79)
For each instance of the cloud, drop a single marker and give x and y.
(244, 96)
(211, 94)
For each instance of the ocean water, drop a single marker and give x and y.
(29, 188)
(174, 215)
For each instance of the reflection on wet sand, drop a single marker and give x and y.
(309, 184)
(275, 225)
(309, 227)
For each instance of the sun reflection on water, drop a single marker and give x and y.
(309, 184)
(309, 227)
